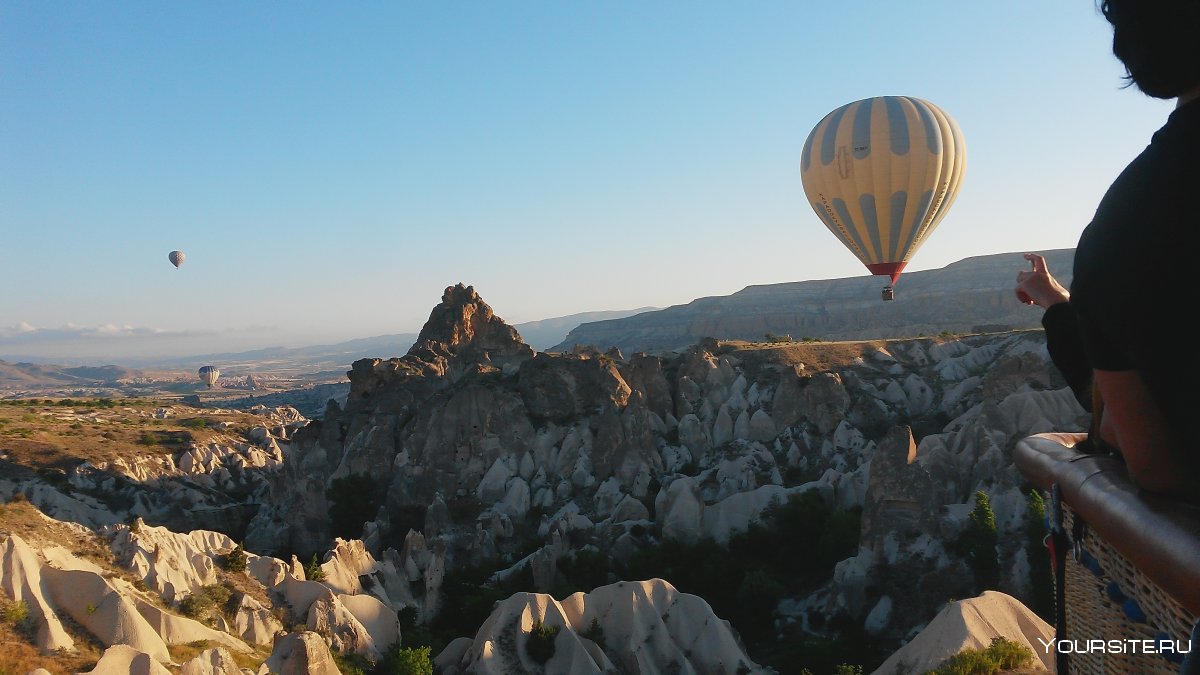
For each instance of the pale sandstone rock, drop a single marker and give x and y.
(918, 394)
(648, 627)
(516, 499)
(491, 487)
(303, 653)
(693, 436)
(95, 604)
(736, 512)
(298, 595)
(679, 510)
(216, 661)
(269, 571)
(328, 617)
(762, 427)
(722, 431)
(630, 508)
(173, 564)
(122, 659)
(741, 427)
(347, 561)
(179, 630)
(255, 623)
(377, 618)
(21, 580)
(971, 624)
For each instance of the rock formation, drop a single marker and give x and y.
(972, 624)
(633, 627)
(472, 451)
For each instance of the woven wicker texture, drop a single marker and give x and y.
(1108, 599)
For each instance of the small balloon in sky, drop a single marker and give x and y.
(881, 173)
(176, 258)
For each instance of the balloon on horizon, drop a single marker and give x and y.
(176, 258)
(209, 374)
(881, 173)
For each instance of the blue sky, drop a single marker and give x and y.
(329, 168)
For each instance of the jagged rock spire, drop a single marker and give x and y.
(463, 329)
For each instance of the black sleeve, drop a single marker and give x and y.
(1065, 344)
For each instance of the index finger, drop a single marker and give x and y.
(1038, 262)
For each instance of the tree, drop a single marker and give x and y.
(540, 643)
(313, 571)
(235, 560)
(1041, 578)
(977, 543)
(406, 661)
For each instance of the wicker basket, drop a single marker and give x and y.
(1107, 598)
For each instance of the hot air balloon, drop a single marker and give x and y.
(209, 375)
(176, 258)
(881, 173)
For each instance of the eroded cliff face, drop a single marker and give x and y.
(471, 446)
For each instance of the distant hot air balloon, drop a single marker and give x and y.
(209, 375)
(881, 173)
(176, 258)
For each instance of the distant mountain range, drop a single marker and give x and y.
(538, 334)
(973, 295)
(24, 374)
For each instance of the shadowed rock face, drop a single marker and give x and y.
(974, 295)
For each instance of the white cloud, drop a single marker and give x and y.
(24, 333)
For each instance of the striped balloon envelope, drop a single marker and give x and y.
(881, 173)
(209, 374)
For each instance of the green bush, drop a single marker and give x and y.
(1002, 654)
(405, 661)
(408, 616)
(196, 605)
(595, 633)
(313, 571)
(201, 603)
(540, 645)
(235, 560)
(14, 613)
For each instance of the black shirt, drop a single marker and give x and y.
(1134, 286)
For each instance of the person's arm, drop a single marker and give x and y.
(1037, 286)
(1066, 348)
(1141, 433)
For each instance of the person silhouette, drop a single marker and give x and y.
(1117, 332)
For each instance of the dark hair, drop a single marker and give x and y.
(1158, 41)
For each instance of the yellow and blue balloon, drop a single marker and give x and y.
(881, 173)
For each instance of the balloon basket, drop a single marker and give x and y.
(888, 293)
